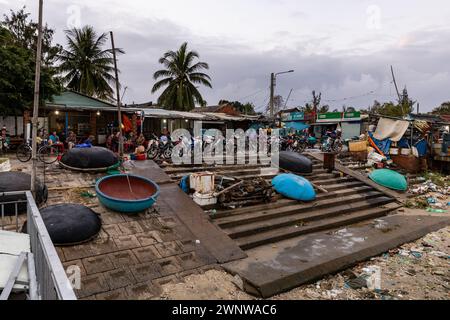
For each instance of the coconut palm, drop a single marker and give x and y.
(88, 67)
(180, 77)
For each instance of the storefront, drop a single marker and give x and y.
(84, 115)
(348, 122)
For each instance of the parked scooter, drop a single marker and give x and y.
(160, 147)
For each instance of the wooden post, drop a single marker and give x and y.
(119, 113)
(37, 79)
(134, 123)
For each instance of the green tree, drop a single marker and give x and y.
(308, 108)
(444, 108)
(88, 67)
(246, 108)
(316, 100)
(400, 109)
(348, 109)
(18, 42)
(406, 104)
(180, 77)
(324, 109)
(24, 32)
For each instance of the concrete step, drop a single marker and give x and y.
(291, 231)
(324, 200)
(282, 202)
(296, 215)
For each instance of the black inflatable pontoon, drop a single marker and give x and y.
(89, 159)
(19, 181)
(295, 162)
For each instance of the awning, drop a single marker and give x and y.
(171, 114)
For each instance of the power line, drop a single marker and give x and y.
(253, 94)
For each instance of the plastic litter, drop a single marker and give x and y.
(432, 210)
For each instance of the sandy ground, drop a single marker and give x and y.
(418, 270)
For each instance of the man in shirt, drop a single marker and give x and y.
(53, 139)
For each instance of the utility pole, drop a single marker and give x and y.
(119, 113)
(273, 79)
(272, 91)
(37, 78)
(395, 84)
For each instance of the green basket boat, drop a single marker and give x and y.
(389, 179)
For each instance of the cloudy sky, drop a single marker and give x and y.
(342, 48)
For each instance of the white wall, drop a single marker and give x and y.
(9, 123)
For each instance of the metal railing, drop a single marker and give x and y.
(51, 279)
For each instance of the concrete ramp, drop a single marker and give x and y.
(270, 270)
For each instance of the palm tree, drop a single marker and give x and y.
(87, 67)
(180, 77)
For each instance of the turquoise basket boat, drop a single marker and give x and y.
(127, 193)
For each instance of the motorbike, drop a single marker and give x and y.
(306, 143)
(331, 145)
(160, 147)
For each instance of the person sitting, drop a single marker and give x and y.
(115, 141)
(71, 140)
(109, 141)
(140, 141)
(139, 150)
(53, 139)
(89, 140)
(4, 137)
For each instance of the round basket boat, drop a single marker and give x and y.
(127, 193)
(94, 159)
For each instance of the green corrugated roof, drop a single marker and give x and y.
(71, 99)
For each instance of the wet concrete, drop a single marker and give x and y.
(271, 270)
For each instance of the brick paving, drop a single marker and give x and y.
(133, 255)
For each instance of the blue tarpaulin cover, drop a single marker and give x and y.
(383, 145)
(422, 147)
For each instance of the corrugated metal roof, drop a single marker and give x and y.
(172, 114)
(72, 99)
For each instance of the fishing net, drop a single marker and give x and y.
(90, 158)
(19, 181)
(70, 224)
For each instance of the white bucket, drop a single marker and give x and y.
(202, 182)
(204, 199)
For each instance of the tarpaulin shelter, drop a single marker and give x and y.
(391, 129)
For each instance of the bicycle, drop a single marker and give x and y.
(46, 153)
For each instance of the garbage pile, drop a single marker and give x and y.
(234, 194)
(432, 196)
(210, 190)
